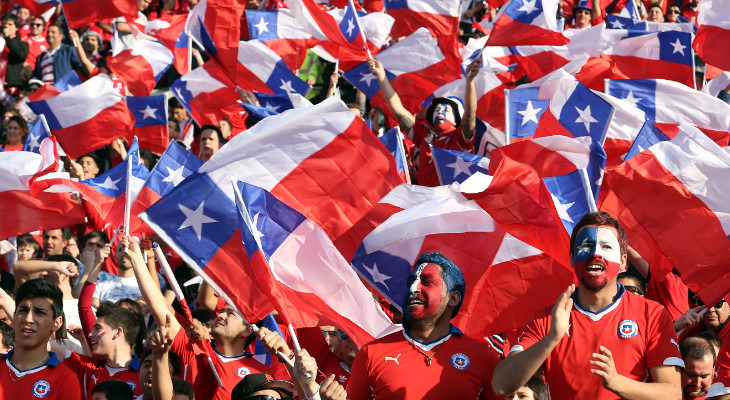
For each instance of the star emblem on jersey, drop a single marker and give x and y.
(627, 329)
(41, 389)
(460, 361)
(243, 371)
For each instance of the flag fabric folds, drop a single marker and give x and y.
(713, 33)
(527, 22)
(142, 66)
(86, 12)
(150, 121)
(207, 93)
(441, 18)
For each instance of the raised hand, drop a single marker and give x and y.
(561, 314)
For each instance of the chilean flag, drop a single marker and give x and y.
(173, 167)
(456, 166)
(524, 108)
(36, 135)
(625, 125)
(86, 117)
(571, 196)
(415, 66)
(215, 25)
(24, 211)
(301, 272)
(713, 33)
(142, 66)
(207, 93)
(170, 30)
(678, 189)
(323, 26)
(648, 136)
(260, 69)
(527, 22)
(86, 12)
(439, 17)
(38, 7)
(150, 121)
(499, 270)
(393, 141)
(68, 81)
(665, 55)
(282, 33)
(316, 159)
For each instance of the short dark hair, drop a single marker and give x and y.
(43, 21)
(93, 157)
(221, 139)
(12, 17)
(65, 232)
(92, 235)
(137, 310)
(117, 316)
(655, 5)
(8, 335)
(35, 288)
(640, 283)
(538, 387)
(182, 387)
(711, 337)
(600, 218)
(205, 316)
(697, 348)
(22, 123)
(173, 102)
(27, 240)
(114, 390)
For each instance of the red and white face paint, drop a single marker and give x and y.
(596, 257)
(426, 292)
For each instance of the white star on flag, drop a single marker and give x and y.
(562, 209)
(255, 229)
(350, 27)
(529, 113)
(378, 277)
(585, 117)
(617, 25)
(271, 107)
(174, 175)
(528, 6)
(195, 219)
(286, 86)
(149, 112)
(33, 144)
(367, 78)
(460, 166)
(678, 47)
(262, 26)
(109, 183)
(632, 99)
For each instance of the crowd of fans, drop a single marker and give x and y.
(122, 335)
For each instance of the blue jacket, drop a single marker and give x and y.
(65, 60)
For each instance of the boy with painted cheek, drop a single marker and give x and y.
(596, 257)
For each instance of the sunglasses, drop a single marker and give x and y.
(634, 289)
(264, 397)
(699, 302)
(344, 336)
(673, 11)
(36, 24)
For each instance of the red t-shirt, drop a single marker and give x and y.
(35, 48)
(230, 369)
(50, 381)
(391, 368)
(91, 371)
(670, 292)
(451, 140)
(721, 384)
(638, 332)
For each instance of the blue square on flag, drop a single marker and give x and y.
(148, 110)
(262, 24)
(349, 25)
(640, 92)
(525, 110)
(675, 46)
(585, 114)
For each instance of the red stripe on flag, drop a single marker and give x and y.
(105, 127)
(134, 71)
(23, 213)
(627, 67)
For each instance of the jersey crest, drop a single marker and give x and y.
(460, 361)
(243, 371)
(41, 389)
(627, 329)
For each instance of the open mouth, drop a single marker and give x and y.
(416, 302)
(27, 331)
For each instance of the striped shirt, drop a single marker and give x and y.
(47, 66)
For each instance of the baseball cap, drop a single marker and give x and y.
(252, 383)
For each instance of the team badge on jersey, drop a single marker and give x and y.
(627, 329)
(460, 361)
(243, 371)
(41, 389)
(132, 385)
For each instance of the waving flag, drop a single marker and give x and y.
(310, 158)
(393, 141)
(716, 84)
(350, 27)
(260, 354)
(215, 25)
(648, 136)
(282, 33)
(376, 28)
(456, 166)
(571, 197)
(38, 7)
(86, 117)
(24, 211)
(272, 104)
(173, 167)
(524, 109)
(150, 121)
(142, 66)
(415, 66)
(665, 55)
(714, 32)
(684, 179)
(261, 69)
(36, 135)
(306, 279)
(625, 125)
(85, 12)
(68, 81)
(527, 22)
(170, 31)
(323, 26)
(439, 17)
(207, 93)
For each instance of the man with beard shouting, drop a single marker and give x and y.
(430, 359)
(599, 341)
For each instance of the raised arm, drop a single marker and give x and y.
(93, 259)
(404, 117)
(468, 123)
(24, 269)
(519, 366)
(88, 66)
(664, 385)
(160, 342)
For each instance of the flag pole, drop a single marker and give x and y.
(590, 198)
(128, 197)
(359, 27)
(402, 151)
(507, 124)
(181, 300)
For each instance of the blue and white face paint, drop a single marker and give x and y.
(443, 113)
(413, 288)
(596, 256)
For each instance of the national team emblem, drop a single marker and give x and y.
(460, 361)
(243, 371)
(627, 329)
(41, 389)
(132, 385)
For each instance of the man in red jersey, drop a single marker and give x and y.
(699, 367)
(29, 370)
(599, 340)
(430, 358)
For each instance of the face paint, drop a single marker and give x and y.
(426, 292)
(443, 117)
(596, 257)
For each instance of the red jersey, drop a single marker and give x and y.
(670, 292)
(329, 363)
(423, 135)
(638, 332)
(90, 371)
(50, 381)
(392, 368)
(35, 48)
(230, 369)
(721, 384)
